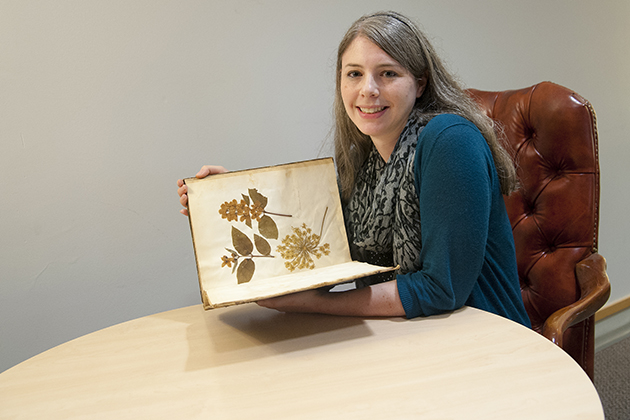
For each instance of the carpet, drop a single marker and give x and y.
(612, 379)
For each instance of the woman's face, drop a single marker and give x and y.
(378, 93)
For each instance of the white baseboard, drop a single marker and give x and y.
(612, 329)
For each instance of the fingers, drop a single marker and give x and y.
(294, 302)
(264, 303)
(210, 170)
(183, 200)
(203, 172)
(182, 191)
(182, 188)
(183, 195)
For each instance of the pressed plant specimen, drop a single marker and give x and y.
(241, 258)
(252, 207)
(299, 248)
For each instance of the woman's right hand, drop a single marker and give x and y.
(182, 189)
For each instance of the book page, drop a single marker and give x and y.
(270, 231)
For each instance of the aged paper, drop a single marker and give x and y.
(271, 231)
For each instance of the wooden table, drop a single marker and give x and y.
(247, 362)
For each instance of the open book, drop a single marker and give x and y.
(267, 232)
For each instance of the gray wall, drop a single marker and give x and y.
(104, 104)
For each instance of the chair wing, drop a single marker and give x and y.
(551, 134)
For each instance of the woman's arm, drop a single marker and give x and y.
(455, 188)
(377, 300)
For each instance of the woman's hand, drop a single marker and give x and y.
(182, 189)
(304, 302)
(377, 300)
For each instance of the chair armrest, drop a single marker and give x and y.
(595, 290)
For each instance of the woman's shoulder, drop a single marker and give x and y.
(450, 139)
(443, 121)
(451, 131)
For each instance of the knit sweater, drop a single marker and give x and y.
(468, 255)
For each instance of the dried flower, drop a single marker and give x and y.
(227, 261)
(256, 211)
(229, 211)
(300, 248)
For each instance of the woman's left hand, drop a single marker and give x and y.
(295, 302)
(377, 300)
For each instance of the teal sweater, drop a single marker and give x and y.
(468, 255)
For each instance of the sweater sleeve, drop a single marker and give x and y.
(454, 181)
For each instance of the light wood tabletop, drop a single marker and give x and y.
(248, 362)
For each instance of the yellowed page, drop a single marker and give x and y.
(269, 231)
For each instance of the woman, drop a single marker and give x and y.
(421, 175)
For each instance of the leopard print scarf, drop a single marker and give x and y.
(383, 215)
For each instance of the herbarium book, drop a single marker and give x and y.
(270, 231)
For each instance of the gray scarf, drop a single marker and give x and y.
(383, 214)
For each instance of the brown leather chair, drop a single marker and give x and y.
(552, 136)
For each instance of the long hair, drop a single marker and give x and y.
(402, 40)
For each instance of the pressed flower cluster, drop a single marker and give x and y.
(300, 248)
(232, 210)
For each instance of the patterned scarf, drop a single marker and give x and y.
(383, 214)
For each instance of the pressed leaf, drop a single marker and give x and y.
(268, 227)
(262, 245)
(241, 242)
(245, 198)
(245, 271)
(258, 198)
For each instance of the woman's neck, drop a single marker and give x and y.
(385, 147)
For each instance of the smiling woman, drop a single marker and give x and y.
(399, 38)
(412, 148)
(378, 93)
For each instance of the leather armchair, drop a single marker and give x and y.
(551, 134)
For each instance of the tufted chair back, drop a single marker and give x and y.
(552, 136)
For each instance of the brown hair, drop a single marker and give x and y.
(402, 40)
